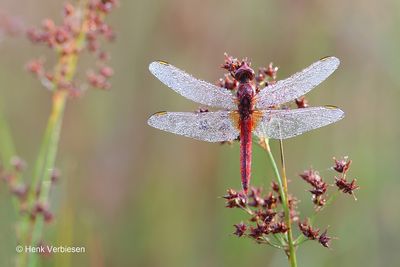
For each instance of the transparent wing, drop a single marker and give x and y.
(298, 84)
(206, 126)
(192, 88)
(282, 124)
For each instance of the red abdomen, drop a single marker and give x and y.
(245, 151)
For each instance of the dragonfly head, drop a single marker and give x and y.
(244, 73)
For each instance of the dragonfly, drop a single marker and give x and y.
(246, 111)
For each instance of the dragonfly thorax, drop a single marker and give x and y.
(245, 95)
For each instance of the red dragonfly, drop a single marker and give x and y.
(247, 111)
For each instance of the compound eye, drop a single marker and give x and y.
(244, 73)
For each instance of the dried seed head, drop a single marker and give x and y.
(106, 71)
(228, 82)
(48, 25)
(64, 39)
(240, 229)
(301, 102)
(255, 197)
(271, 71)
(235, 199)
(312, 177)
(69, 9)
(279, 227)
(345, 186)
(318, 201)
(308, 231)
(324, 240)
(319, 186)
(342, 165)
(275, 187)
(263, 216)
(18, 164)
(35, 66)
(270, 201)
(231, 64)
(258, 231)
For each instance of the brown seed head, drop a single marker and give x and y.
(301, 102)
(324, 240)
(308, 231)
(345, 186)
(342, 165)
(240, 229)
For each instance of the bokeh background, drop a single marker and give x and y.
(136, 196)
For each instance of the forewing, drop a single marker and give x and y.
(298, 84)
(206, 126)
(192, 88)
(282, 124)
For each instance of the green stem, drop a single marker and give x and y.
(7, 151)
(51, 147)
(282, 183)
(30, 230)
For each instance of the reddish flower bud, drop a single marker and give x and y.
(271, 71)
(106, 71)
(234, 199)
(61, 36)
(308, 231)
(279, 227)
(240, 229)
(345, 186)
(231, 64)
(301, 102)
(342, 165)
(275, 186)
(103, 56)
(258, 231)
(270, 201)
(48, 25)
(35, 66)
(68, 9)
(324, 240)
(255, 196)
(18, 163)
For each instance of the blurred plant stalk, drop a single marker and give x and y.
(283, 191)
(30, 231)
(7, 152)
(82, 25)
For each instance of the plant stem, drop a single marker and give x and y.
(7, 151)
(283, 191)
(30, 231)
(54, 128)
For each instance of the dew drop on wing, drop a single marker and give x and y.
(298, 84)
(214, 126)
(194, 89)
(282, 124)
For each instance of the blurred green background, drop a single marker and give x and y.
(136, 196)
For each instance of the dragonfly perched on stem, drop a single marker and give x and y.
(247, 111)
